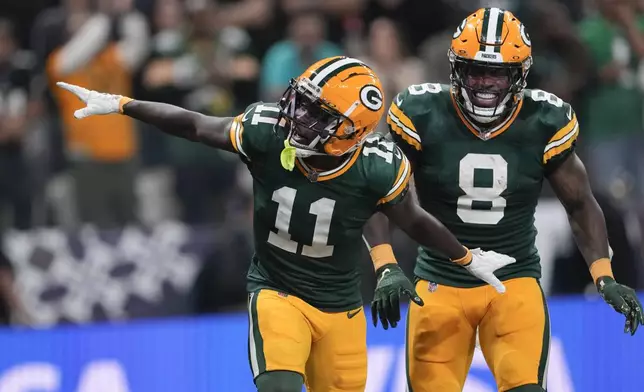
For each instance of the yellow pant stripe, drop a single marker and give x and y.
(542, 376)
(255, 342)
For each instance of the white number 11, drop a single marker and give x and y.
(322, 209)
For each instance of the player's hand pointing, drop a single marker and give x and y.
(624, 300)
(392, 284)
(96, 103)
(484, 264)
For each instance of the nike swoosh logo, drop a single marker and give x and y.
(352, 314)
(398, 100)
(398, 153)
(385, 272)
(245, 116)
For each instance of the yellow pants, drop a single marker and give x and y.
(328, 349)
(514, 333)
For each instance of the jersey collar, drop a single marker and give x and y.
(316, 176)
(496, 131)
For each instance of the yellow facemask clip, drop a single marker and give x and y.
(287, 157)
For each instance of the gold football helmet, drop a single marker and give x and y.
(490, 58)
(332, 107)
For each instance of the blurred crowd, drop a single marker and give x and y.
(218, 56)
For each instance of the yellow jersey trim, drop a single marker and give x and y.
(401, 182)
(403, 126)
(562, 140)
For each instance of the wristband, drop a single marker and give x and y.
(381, 255)
(465, 260)
(601, 268)
(122, 102)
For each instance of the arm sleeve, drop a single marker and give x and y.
(563, 142)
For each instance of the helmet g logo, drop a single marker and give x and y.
(460, 29)
(371, 97)
(524, 36)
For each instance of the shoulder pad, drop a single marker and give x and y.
(407, 109)
(387, 168)
(254, 129)
(418, 99)
(260, 114)
(552, 110)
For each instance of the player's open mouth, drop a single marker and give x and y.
(485, 99)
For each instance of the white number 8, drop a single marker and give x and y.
(468, 165)
(540, 95)
(420, 89)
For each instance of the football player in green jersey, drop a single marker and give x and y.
(318, 178)
(481, 149)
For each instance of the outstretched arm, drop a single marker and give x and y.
(187, 124)
(173, 120)
(570, 183)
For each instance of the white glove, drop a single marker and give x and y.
(484, 264)
(97, 103)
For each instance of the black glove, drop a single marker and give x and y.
(392, 284)
(624, 300)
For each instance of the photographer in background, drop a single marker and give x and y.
(101, 50)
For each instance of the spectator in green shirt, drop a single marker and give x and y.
(613, 127)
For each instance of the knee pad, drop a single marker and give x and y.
(279, 381)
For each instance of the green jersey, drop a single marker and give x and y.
(308, 228)
(484, 191)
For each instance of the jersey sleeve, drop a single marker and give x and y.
(563, 132)
(250, 131)
(402, 128)
(408, 112)
(395, 183)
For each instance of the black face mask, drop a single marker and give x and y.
(502, 79)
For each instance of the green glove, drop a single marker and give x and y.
(392, 284)
(624, 300)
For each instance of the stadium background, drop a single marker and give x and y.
(125, 250)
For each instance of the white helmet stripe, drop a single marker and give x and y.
(333, 67)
